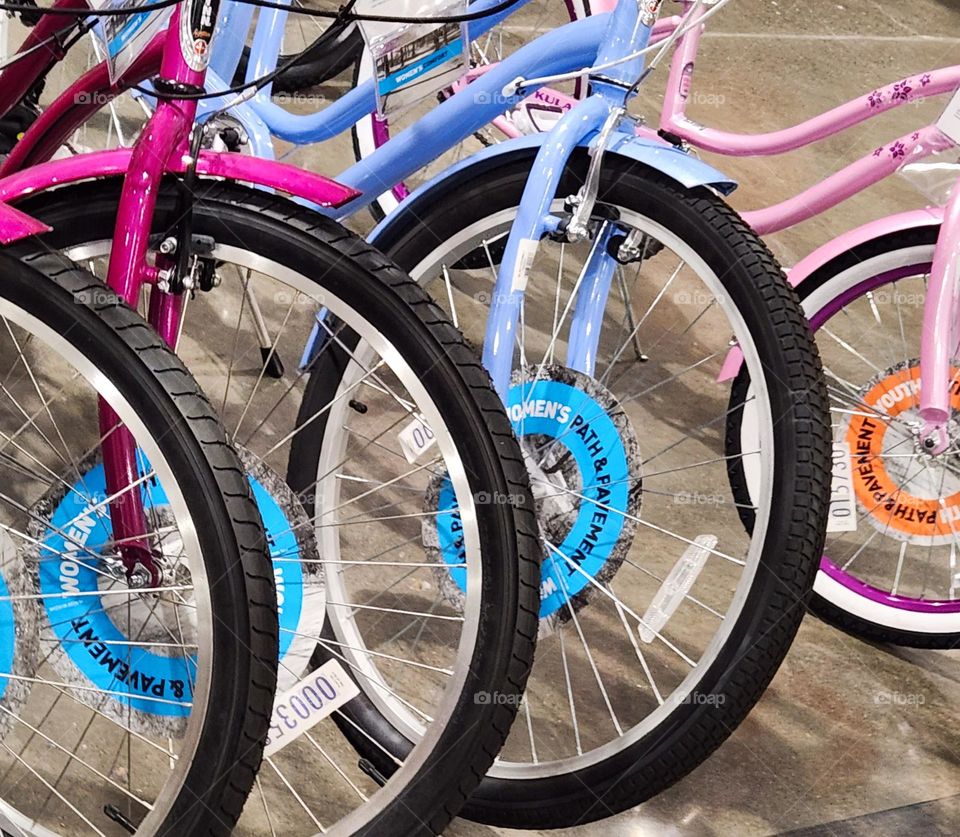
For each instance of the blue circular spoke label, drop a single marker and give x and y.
(98, 631)
(585, 475)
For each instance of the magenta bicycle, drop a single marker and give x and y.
(391, 401)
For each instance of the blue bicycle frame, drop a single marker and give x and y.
(595, 40)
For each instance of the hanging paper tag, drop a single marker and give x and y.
(305, 704)
(416, 439)
(843, 499)
(121, 38)
(949, 121)
(412, 61)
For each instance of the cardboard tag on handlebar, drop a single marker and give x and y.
(949, 122)
(119, 39)
(412, 61)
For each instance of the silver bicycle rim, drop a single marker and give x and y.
(360, 657)
(487, 230)
(189, 740)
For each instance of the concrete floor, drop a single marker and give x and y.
(850, 738)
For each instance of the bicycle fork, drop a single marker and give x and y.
(534, 220)
(628, 30)
(166, 134)
(941, 327)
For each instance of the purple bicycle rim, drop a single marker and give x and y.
(827, 566)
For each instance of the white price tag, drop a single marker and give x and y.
(121, 38)
(949, 121)
(843, 502)
(416, 439)
(412, 61)
(307, 703)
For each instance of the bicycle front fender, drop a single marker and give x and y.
(545, 156)
(667, 159)
(242, 168)
(685, 169)
(826, 253)
(823, 255)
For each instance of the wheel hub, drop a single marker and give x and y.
(585, 471)
(147, 685)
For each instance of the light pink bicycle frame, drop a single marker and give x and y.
(162, 148)
(941, 315)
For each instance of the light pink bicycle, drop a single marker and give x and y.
(883, 299)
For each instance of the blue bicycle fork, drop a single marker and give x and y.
(626, 33)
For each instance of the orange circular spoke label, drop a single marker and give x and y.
(901, 490)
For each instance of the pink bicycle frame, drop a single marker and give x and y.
(881, 163)
(162, 148)
(942, 312)
(938, 343)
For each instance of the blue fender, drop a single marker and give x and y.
(685, 169)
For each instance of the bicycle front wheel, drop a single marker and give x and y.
(663, 616)
(128, 701)
(889, 571)
(414, 419)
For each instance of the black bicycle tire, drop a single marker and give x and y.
(245, 639)
(315, 246)
(775, 607)
(329, 55)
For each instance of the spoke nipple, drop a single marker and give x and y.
(370, 769)
(114, 813)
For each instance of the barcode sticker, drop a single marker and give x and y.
(526, 252)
